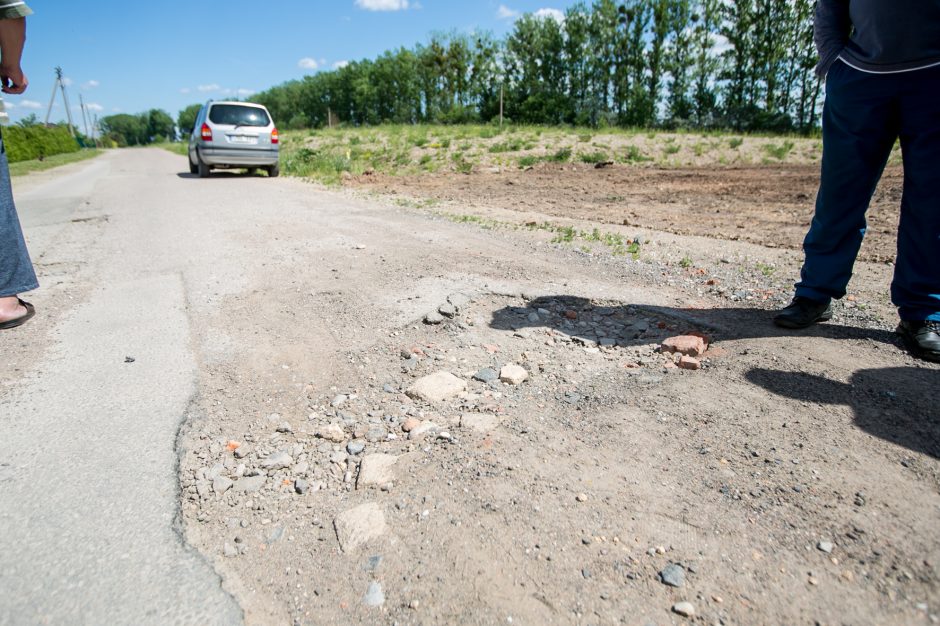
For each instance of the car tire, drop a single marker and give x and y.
(193, 168)
(203, 168)
(274, 170)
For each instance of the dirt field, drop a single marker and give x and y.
(770, 205)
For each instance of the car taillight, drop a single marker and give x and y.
(205, 132)
(274, 136)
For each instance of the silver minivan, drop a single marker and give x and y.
(233, 135)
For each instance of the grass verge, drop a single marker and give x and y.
(176, 147)
(22, 168)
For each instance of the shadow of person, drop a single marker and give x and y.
(587, 322)
(895, 404)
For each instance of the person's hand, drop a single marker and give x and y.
(12, 79)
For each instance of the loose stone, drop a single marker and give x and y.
(333, 432)
(359, 525)
(436, 387)
(355, 447)
(672, 575)
(433, 318)
(513, 374)
(277, 460)
(685, 609)
(486, 375)
(376, 470)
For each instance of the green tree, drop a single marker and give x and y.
(29, 120)
(125, 129)
(187, 118)
(160, 126)
(679, 61)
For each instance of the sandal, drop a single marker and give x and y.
(19, 321)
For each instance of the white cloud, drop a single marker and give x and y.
(308, 63)
(66, 81)
(208, 88)
(505, 13)
(554, 14)
(91, 84)
(382, 5)
(94, 106)
(340, 65)
(185, 90)
(245, 92)
(30, 104)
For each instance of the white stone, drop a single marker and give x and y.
(421, 430)
(436, 387)
(359, 525)
(333, 432)
(513, 374)
(277, 460)
(686, 609)
(377, 470)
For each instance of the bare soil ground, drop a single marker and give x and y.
(794, 479)
(770, 205)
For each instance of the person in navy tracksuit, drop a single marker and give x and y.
(881, 61)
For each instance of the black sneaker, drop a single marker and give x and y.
(803, 313)
(922, 338)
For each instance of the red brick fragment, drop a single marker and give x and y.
(689, 363)
(689, 345)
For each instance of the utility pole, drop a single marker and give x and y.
(60, 84)
(81, 101)
(501, 107)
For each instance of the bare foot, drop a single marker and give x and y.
(11, 309)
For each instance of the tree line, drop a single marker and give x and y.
(141, 129)
(744, 65)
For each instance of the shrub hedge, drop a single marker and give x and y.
(33, 142)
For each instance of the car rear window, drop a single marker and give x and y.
(238, 115)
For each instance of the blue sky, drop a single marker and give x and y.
(130, 56)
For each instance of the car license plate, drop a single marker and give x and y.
(242, 139)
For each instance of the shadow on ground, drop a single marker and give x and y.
(225, 174)
(637, 324)
(893, 403)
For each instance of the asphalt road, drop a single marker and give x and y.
(93, 395)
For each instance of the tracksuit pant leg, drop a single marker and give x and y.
(916, 286)
(863, 116)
